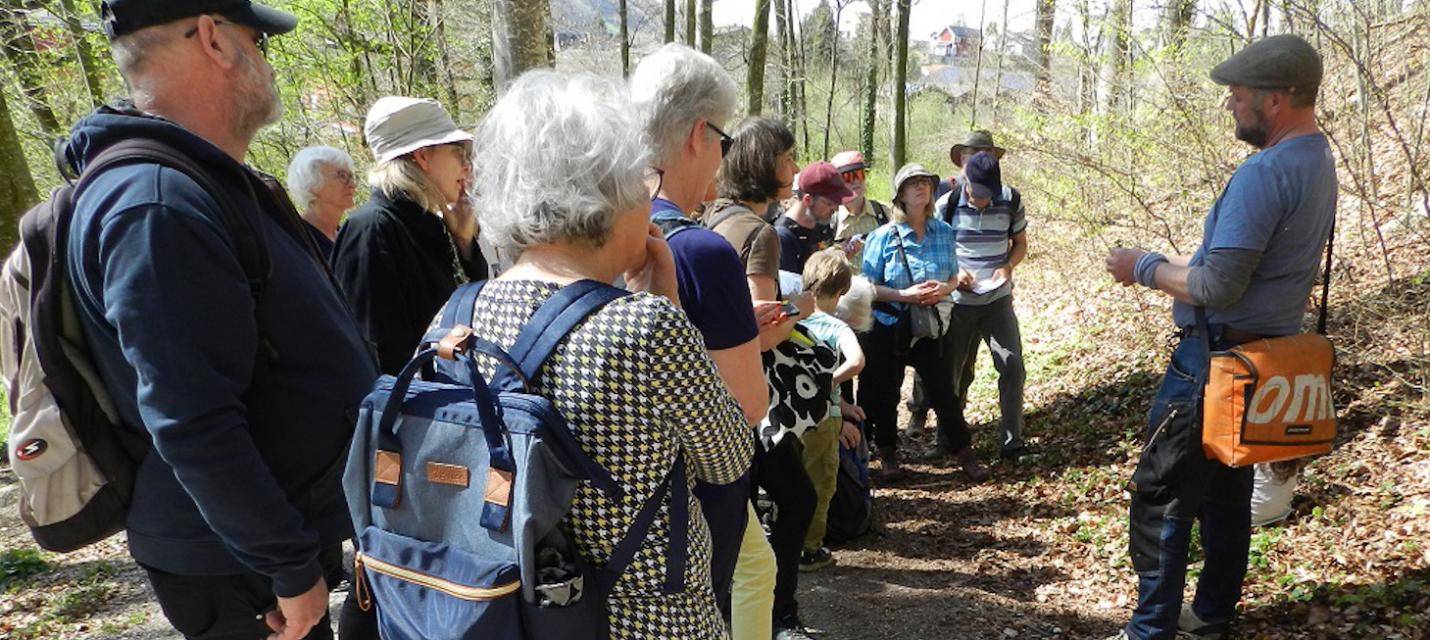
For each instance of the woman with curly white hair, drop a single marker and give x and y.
(562, 186)
(321, 182)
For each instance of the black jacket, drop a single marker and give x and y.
(246, 465)
(396, 264)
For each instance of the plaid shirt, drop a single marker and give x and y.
(931, 259)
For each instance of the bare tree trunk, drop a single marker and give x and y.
(897, 151)
(1176, 19)
(690, 24)
(871, 82)
(437, 13)
(20, 51)
(786, 64)
(84, 54)
(17, 185)
(707, 29)
(1002, 53)
(625, 40)
(521, 39)
(833, 74)
(797, 50)
(1046, 11)
(978, 61)
(669, 21)
(759, 49)
(1114, 56)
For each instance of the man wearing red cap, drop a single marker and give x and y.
(804, 228)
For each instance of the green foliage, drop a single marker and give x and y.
(19, 564)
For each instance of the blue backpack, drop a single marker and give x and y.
(456, 487)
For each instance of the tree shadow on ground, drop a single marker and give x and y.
(1399, 608)
(897, 603)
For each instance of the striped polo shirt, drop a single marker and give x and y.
(981, 238)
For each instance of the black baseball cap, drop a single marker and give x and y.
(985, 177)
(121, 17)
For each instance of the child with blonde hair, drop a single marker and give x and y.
(828, 276)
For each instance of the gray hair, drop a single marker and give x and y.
(561, 154)
(305, 172)
(674, 87)
(133, 52)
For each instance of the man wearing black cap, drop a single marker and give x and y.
(1251, 277)
(991, 227)
(247, 391)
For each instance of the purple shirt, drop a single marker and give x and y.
(711, 277)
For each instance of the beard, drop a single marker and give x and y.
(260, 103)
(1254, 133)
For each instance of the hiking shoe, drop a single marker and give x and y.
(1121, 635)
(971, 466)
(890, 470)
(811, 561)
(1191, 627)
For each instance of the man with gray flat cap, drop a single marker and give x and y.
(243, 378)
(1250, 279)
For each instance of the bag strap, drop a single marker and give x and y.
(903, 257)
(556, 318)
(676, 486)
(1326, 280)
(881, 215)
(247, 237)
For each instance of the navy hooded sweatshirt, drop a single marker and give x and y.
(246, 469)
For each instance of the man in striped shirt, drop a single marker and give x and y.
(989, 222)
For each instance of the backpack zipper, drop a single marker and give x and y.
(459, 591)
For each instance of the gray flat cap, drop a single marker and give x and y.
(1278, 62)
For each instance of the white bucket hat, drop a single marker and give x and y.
(398, 125)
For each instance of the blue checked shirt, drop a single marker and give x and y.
(930, 259)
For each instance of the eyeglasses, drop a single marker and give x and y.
(344, 176)
(852, 176)
(260, 40)
(654, 175)
(725, 140)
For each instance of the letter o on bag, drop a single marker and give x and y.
(1281, 389)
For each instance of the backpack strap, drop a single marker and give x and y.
(556, 318)
(247, 237)
(676, 486)
(1326, 280)
(881, 214)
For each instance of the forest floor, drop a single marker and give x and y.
(1039, 551)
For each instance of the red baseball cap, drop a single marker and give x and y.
(822, 179)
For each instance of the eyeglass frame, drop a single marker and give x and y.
(261, 41)
(726, 142)
(659, 175)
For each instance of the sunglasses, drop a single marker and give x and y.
(852, 176)
(725, 140)
(260, 40)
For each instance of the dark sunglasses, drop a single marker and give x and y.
(725, 140)
(260, 40)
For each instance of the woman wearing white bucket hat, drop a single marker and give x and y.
(402, 254)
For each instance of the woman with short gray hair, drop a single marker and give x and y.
(562, 186)
(321, 182)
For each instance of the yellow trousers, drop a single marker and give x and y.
(752, 590)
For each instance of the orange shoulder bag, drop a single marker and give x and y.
(1270, 400)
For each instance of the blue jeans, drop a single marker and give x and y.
(1175, 491)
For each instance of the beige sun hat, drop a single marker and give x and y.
(398, 125)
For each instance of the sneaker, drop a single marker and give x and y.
(1121, 635)
(1016, 454)
(971, 466)
(1191, 627)
(891, 471)
(790, 628)
(811, 561)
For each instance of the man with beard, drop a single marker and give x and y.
(1249, 280)
(246, 388)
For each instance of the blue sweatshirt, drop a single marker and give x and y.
(245, 473)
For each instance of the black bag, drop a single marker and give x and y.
(851, 508)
